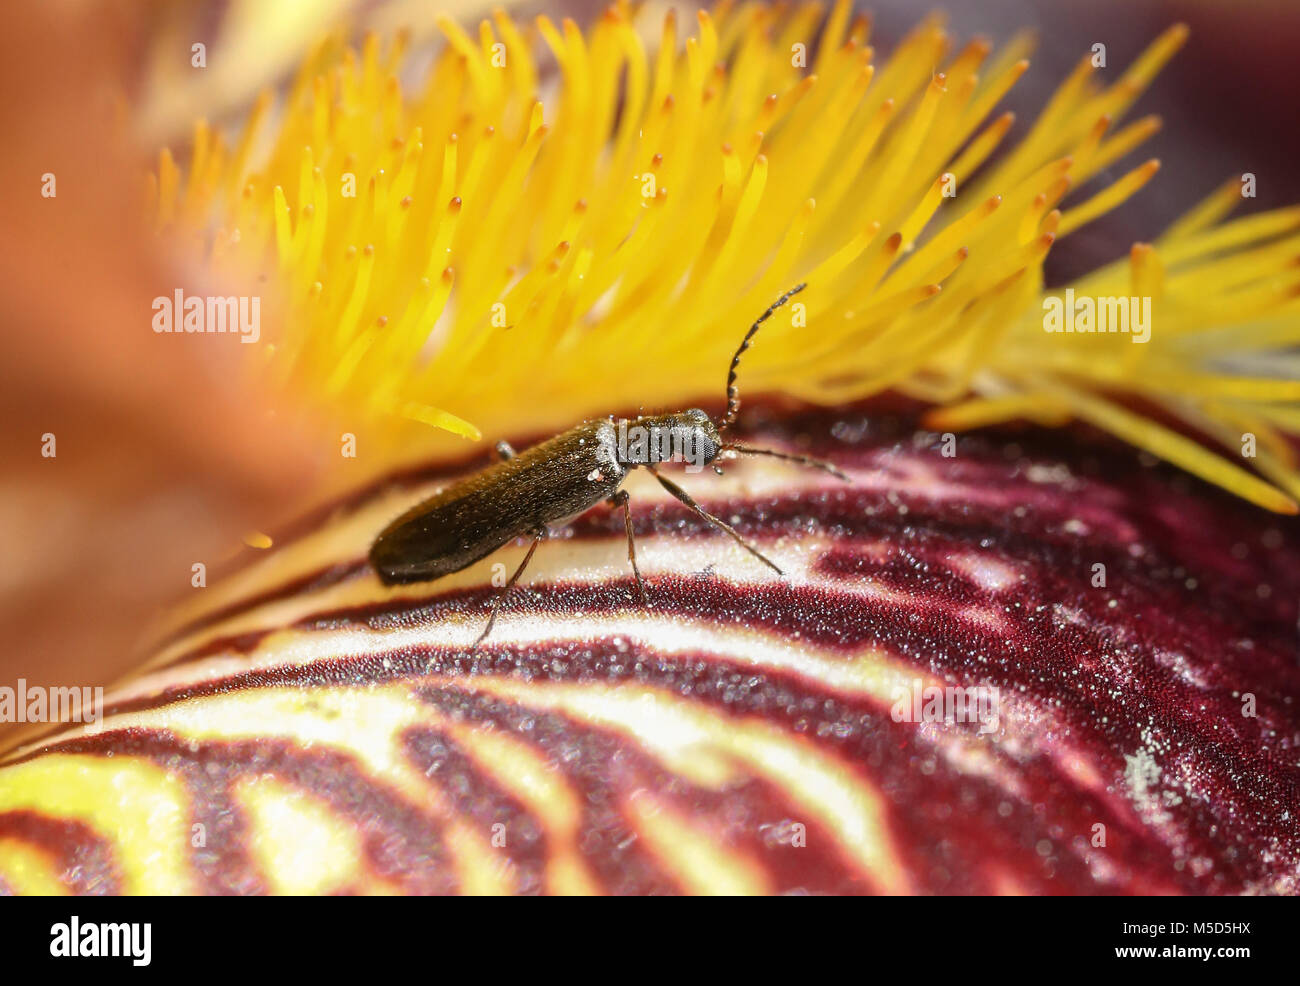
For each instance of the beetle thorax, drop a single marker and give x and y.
(687, 436)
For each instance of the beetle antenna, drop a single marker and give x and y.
(802, 460)
(733, 398)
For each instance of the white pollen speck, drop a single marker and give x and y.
(1141, 771)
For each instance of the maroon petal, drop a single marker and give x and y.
(745, 732)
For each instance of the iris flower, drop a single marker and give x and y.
(522, 225)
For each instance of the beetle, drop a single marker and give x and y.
(522, 493)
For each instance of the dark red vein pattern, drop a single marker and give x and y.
(304, 729)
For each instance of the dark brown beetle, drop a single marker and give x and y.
(558, 479)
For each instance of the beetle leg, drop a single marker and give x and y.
(500, 596)
(503, 450)
(802, 460)
(685, 498)
(621, 499)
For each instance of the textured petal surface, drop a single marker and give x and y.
(305, 729)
